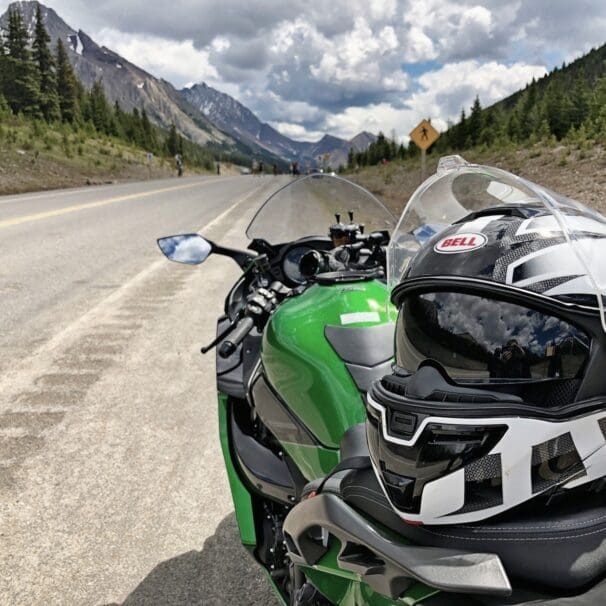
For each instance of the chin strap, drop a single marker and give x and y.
(350, 464)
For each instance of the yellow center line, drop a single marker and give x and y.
(78, 207)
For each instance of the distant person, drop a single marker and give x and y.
(275, 169)
(218, 168)
(260, 168)
(179, 164)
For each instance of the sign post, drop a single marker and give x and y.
(424, 136)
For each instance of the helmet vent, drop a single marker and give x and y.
(483, 484)
(554, 463)
(602, 424)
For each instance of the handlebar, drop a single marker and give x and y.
(229, 346)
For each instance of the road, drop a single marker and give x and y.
(112, 488)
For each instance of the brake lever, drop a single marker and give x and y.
(225, 333)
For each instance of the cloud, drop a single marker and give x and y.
(356, 67)
(440, 96)
(297, 131)
(177, 61)
(346, 65)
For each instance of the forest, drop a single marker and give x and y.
(38, 85)
(568, 104)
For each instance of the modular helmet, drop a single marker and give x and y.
(498, 394)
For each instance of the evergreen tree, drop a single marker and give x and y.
(351, 157)
(67, 86)
(149, 137)
(19, 78)
(17, 38)
(49, 98)
(475, 122)
(461, 132)
(119, 119)
(172, 141)
(99, 108)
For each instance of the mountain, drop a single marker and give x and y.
(201, 113)
(237, 120)
(123, 81)
(241, 123)
(362, 140)
(568, 103)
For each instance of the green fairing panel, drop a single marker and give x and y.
(240, 495)
(302, 366)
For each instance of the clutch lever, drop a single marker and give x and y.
(225, 333)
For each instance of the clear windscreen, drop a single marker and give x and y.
(307, 207)
(573, 237)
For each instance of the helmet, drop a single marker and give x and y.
(498, 395)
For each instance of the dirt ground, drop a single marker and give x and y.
(579, 174)
(24, 171)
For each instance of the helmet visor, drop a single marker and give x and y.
(481, 339)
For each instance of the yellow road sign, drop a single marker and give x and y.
(424, 135)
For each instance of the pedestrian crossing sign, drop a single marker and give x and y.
(424, 135)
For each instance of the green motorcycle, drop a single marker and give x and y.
(307, 330)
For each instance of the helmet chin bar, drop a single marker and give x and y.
(532, 457)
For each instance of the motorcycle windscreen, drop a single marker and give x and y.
(566, 240)
(307, 207)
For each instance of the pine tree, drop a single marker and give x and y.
(149, 137)
(49, 97)
(20, 75)
(99, 108)
(118, 121)
(67, 86)
(475, 122)
(461, 132)
(17, 38)
(351, 158)
(172, 141)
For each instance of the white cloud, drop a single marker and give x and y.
(312, 65)
(297, 131)
(418, 46)
(444, 91)
(177, 61)
(441, 95)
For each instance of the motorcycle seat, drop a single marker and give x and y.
(558, 547)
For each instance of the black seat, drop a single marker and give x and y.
(562, 546)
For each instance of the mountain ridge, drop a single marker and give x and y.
(234, 118)
(123, 81)
(201, 113)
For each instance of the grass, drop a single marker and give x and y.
(37, 156)
(578, 171)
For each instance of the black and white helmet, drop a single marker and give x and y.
(499, 391)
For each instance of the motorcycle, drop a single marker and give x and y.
(307, 329)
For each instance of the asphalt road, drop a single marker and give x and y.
(112, 488)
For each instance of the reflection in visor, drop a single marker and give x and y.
(476, 338)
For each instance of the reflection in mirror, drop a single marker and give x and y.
(190, 248)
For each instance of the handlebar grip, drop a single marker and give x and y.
(229, 346)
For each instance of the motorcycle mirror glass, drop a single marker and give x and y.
(191, 249)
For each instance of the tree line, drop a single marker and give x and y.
(569, 103)
(39, 83)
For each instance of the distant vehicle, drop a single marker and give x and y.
(245, 171)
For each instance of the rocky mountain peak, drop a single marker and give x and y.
(200, 112)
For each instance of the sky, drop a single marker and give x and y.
(343, 66)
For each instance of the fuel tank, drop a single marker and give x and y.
(322, 349)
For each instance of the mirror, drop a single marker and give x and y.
(191, 249)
